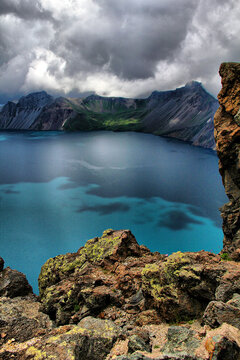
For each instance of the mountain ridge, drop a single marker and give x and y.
(185, 113)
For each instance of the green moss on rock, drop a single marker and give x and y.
(95, 250)
(165, 283)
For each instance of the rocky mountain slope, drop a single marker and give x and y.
(185, 113)
(115, 300)
(21, 115)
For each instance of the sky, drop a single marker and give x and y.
(114, 47)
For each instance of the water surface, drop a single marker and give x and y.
(57, 190)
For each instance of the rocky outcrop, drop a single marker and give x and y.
(20, 318)
(13, 283)
(185, 113)
(114, 299)
(114, 278)
(217, 313)
(102, 279)
(227, 135)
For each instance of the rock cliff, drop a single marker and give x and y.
(227, 135)
(185, 113)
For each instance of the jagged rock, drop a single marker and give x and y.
(103, 334)
(1, 264)
(121, 285)
(181, 341)
(181, 286)
(137, 343)
(106, 327)
(104, 274)
(227, 136)
(114, 278)
(20, 319)
(235, 301)
(90, 340)
(218, 313)
(222, 343)
(223, 348)
(13, 283)
(229, 284)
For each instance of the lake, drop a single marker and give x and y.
(59, 189)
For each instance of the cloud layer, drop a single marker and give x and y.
(115, 48)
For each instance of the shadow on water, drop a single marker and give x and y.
(59, 189)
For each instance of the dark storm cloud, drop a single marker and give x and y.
(130, 40)
(177, 220)
(115, 48)
(25, 9)
(105, 209)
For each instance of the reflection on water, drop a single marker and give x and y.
(57, 190)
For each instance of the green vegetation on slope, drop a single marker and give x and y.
(106, 115)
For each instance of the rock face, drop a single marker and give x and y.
(22, 115)
(227, 135)
(185, 113)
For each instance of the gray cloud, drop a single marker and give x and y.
(115, 48)
(25, 9)
(130, 40)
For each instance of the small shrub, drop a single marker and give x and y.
(76, 308)
(225, 257)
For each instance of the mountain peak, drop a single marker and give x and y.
(39, 98)
(93, 97)
(193, 84)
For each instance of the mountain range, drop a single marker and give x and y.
(185, 113)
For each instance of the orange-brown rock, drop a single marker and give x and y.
(114, 278)
(103, 299)
(227, 136)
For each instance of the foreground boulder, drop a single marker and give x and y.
(91, 339)
(112, 277)
(102, 279)
(21, 320)
(218, 313)
(13, 283)
(114, 299)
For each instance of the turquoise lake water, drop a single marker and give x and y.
(58, 190)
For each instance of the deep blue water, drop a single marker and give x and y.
(58, 190)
